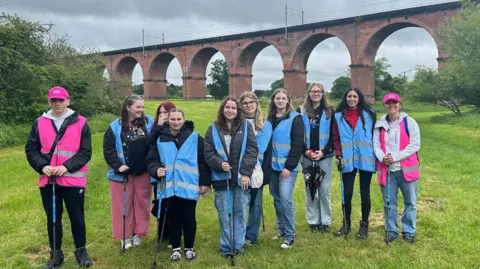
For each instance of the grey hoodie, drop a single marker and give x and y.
(392, 140)
(58, 121)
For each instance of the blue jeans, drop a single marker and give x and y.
(239, 201)
(254, 214)
(282, 193)
(409, 192)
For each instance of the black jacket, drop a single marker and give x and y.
(153, 158)
(328, 149)
(249, 158)
(297, 143)
(134, 153)
(38, 160)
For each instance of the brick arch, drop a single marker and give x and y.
(306, 46)
(385, 30)
(199, 63)
(159, 66)
(244, 63)
(124, 67)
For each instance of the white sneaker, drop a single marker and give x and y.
(128, 243)
(136, 240)
(176, 255)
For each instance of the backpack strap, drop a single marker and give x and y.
(405, 124)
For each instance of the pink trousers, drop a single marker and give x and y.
(139, 195)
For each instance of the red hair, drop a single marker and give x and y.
(167, 105)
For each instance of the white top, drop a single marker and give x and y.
(392, 140)
(228, 141)
(58, 121)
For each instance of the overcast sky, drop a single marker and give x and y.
(117, 24)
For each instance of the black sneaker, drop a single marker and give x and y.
(390, 238)
(324, 228)
(287, 244)
(343, 230)
(51, 264)
(410, 238)
(362, 233)
(314, 228)
(82, 257)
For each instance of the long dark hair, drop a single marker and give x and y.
(324, 102)
(361, 106)
(272, 108)
(221, 121)
(140, 122)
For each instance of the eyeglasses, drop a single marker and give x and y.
(316, 92)
(389, 102)
(249, 103)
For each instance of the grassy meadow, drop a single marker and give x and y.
(448, 221)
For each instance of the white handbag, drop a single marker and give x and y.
(257, 177)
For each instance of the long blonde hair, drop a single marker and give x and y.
(272, 108)
(324, 102)
(258, 118)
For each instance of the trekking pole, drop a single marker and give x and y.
(345, 229)
(229, 203)
(388, 204)
(54, 214)
(159, 240)
(263, 220)
(124, 212)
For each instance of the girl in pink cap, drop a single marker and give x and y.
(396, 141)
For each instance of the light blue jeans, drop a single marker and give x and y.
(282, 193)
(254, 214)
(239, 201)
(409, 192)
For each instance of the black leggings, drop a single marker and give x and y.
(348, 182)
(74, 202)
(181, 218)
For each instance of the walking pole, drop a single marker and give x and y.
(388, 205)
(54, 215)
(345, 229)
(124, 211)
(229, 203)
(263, 220)
(159, 240)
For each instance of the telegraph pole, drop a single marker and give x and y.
(143, 42)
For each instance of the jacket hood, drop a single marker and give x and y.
(67, 114)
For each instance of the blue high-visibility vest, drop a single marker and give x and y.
(281, 142)
(263, 138)
(117, 130)
(324, 129)
(220, 175)
(357, 145)
(181, 165)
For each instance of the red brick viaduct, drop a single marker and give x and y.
(361, 35)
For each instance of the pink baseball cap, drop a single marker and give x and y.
(391, 96)
(57, 92)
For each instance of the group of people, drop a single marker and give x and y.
(240, 153)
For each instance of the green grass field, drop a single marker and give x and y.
(448, 213)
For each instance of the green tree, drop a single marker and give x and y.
(340, 85)
(276, 84)
(219, 87)
(138, 89)
(174, 90)
(259, 93)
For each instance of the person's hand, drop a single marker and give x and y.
(285, 173)
(388, 160)
(316, 155)
(340, 163)
(244, 182)
(225, 166)
(123, 168)
(161, 172)
(204, 190)
(48, 170)
(59, 170)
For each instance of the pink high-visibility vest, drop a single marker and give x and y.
(410, 165)
(66, 148)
